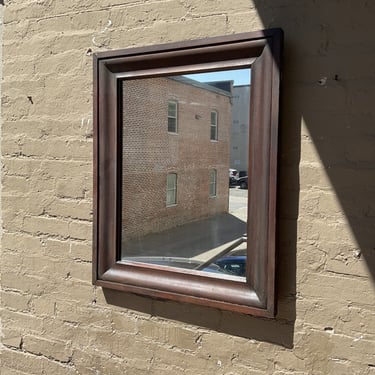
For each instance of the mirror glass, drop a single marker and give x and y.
(184, 171)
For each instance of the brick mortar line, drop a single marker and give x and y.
(27, 157)
(355, 276)
(69, 362)
(49, 236)
(122, 6)
(83, 11)
(36, 158)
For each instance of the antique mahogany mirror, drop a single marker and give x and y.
(185, 168)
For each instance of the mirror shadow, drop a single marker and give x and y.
(279, 331)
(275, 331)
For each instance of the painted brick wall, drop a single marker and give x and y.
(53, 321)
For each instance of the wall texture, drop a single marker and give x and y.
(55, 322)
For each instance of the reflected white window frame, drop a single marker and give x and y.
(213, 183)
(256, 294)
(171, 189)
(214, 126)
(173, 117)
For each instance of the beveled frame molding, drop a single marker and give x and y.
(260, 50)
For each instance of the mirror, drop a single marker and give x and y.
(184, 171)
(170, 142)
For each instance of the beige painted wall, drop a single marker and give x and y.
(55, 322)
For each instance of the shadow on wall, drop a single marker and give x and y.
(275, 331)
(279, 331)
(327, 89)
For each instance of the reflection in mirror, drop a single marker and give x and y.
(185, 162)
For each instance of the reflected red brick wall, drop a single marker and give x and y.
(150, 153)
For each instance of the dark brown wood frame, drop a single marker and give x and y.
(260, 50)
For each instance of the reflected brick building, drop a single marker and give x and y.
(240, 129)
(175, 130)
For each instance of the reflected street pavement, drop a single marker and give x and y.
(200, 239)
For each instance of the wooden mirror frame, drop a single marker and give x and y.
(260, 50)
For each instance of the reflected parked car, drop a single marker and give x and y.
(233, 264)
(242, 182)
(233, 176)
(181, 262)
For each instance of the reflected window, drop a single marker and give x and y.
(172, 116)
(213, 126)
(213, 179)
(171, 189)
